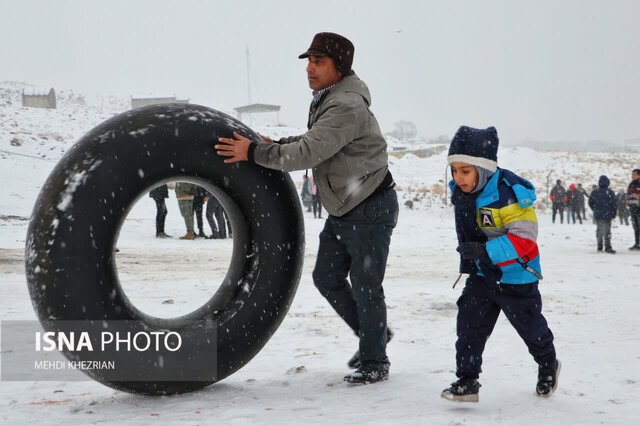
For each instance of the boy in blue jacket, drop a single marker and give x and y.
(497, 230)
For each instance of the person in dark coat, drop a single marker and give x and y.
(159, 194)
(305, 193)
(212, 206)
(558, 198)
(633, 201)
(221, 224)
(573, 201)
(623, 209)
(316, 202)
(603, 203)
(583, 197)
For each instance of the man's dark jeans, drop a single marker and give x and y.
(357, 244)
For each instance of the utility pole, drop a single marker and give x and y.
(546, 198)
(248, 76)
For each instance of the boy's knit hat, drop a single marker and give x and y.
(475, 146)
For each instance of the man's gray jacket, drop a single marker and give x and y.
(344, 147)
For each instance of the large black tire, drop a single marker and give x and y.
(70, 261)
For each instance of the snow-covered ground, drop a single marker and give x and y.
(590, 301)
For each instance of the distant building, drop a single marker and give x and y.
(259, 114)
(137, 102)
(631, 145)
(39, 98)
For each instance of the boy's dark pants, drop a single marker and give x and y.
(357, 244)
(603, 233)
(478, 310)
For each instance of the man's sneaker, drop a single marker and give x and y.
(369, 372)
(162, 235)
(464, 390)
(548, 380)
(354, 362)
(634, 247)
(610, 250)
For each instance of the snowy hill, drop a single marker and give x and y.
(590, 302)
(47, 134)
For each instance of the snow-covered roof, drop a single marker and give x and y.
(36, 91)
(257, 108)
(147, 96)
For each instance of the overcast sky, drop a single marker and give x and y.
(537, 70)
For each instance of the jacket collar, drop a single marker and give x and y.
(490, 192)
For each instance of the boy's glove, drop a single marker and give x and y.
(473, 250)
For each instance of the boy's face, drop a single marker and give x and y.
(634, 175)
(465, 176)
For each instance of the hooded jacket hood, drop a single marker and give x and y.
(603, 182)
(351, 83)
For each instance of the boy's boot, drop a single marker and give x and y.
(464, 389)
(548, 379)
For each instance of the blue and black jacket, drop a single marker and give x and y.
(502, 216)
